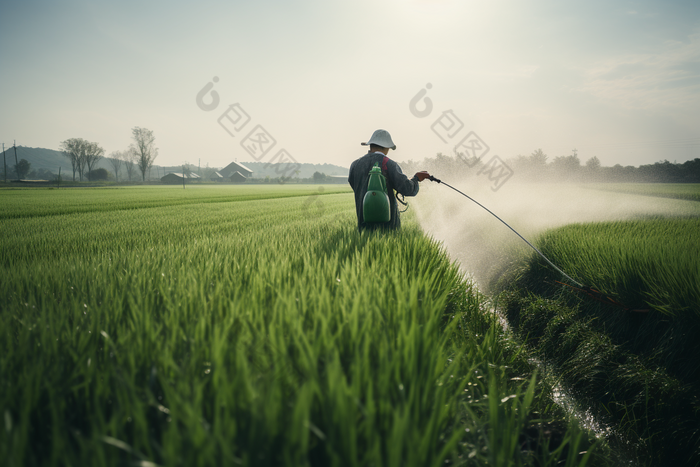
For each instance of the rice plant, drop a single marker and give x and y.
(688, 191)
(633, 363)
(261, 331)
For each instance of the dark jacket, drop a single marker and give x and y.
(395, 181)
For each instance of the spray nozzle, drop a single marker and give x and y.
(433, 179)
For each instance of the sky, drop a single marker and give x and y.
(308, 80)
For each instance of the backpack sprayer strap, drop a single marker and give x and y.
(402, 201)
(385, 172)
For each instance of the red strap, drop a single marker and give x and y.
(384, 161)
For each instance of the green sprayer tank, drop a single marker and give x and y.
(375, 205)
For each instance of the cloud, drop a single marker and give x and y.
(666, 79)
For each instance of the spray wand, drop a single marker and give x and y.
(590, 291)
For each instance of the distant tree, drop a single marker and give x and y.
(22, 168)
(567, 166)
(592, 171)
(618, 173)
(593, 163)
(663, 171)
(144, 148)
(573, 162)
(93, 153)
(82, 161)
(319, 177)
(525, 168)
(691, 171)
(82, 154)
(129, 158)
(74, 150)
(116, 160)
(538, 158)
(98, 174)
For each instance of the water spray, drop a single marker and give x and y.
(590, 291)
(511, 228)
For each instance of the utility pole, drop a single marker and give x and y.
(183, 177)
(16, 163)
(4, 159)
(199, 170)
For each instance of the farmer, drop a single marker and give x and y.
(379, 145)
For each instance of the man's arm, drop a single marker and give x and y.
(400, 182)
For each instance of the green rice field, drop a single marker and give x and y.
(218, 326)
(689, 191)
(30, 202)
(633, 363)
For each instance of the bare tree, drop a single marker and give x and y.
(93, 153)
(129, 158)
(73, 161)
(82, 159)
(74, 150)
(81, 154)
(144, 147)
(115, 160)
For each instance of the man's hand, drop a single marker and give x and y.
(422, 175)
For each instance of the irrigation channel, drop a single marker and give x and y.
(561, 395)
(478, 238)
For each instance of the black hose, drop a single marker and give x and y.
(511, 228)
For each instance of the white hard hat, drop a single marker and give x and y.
(381, 138)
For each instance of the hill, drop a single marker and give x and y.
(50, 159)
(42, 158)
(39, 158)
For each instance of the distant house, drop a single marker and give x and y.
(217, 177)
(238, 177)
(233, 167)
(176, 178)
